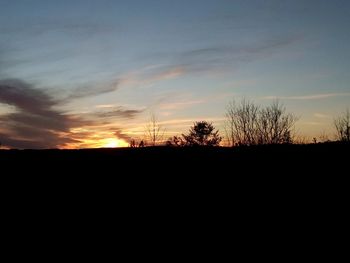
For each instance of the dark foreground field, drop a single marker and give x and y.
(249, 181)
(276, 159)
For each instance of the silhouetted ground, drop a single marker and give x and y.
(269, 159)
(258, 186)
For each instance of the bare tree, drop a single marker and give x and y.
(342, 126)
(241, 122)
(248, 124)
(229, 124)
(154, 131)
(275, 125)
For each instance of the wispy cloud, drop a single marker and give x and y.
(186, 121)
(92, 90)
(150, 75)
(104, 106)
(322, 116)
(311, 123)
(222, 57)
(183, 100)
(119, 112)
(121, 135)
(169, 74)
(309, 97)
(210, 59)
(36, 27)
(180, 104)
(204, 59)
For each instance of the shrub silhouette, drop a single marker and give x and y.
(175, 141)
(132, 143)
(202, 134)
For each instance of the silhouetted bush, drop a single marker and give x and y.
(175, 141)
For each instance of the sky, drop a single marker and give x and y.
(88, 73)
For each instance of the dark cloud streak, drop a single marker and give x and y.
(223, 56)
(119, 112)
(120, 135)
(22, 95)
(37, 123)
(89, 91)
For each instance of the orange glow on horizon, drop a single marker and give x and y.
(97, 143)
(111, 143)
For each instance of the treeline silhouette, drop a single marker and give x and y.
(246, 124)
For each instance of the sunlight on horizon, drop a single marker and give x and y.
(113, 143)
(98, 143)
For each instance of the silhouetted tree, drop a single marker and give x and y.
(202, 134)
(248, 124)
(342, 126)
(241, 123)
(154, 131)
(275, 125)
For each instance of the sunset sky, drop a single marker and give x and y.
(88, 73)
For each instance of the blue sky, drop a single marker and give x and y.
(183, 60)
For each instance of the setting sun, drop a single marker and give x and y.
(113, 143)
